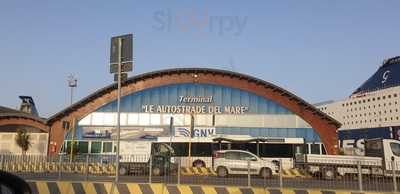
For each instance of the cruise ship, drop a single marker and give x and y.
(371, 111)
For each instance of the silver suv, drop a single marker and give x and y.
(236, 162)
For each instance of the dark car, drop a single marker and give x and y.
(12, 184)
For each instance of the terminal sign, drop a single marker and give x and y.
(191, 107)
(197, 132)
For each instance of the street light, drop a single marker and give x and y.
(72, 83)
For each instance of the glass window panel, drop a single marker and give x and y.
(181, 149)
(110, 118)
(124, 118)
(255, 132)
(97, 118)
(203, 119)
(155, 119)
(95, 147)
(201, 149)
(179, 120)
(276, 150)
(245, 156)
(186, 119)
(166, 118)
(232, 156)
(144, 119)
(315, 149)
(107, 147)
(323, 149)
(133, 119)
(395, 148)
(83, 147)
(86, 120)
(291, 133)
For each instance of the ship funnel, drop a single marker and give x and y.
(28, 105)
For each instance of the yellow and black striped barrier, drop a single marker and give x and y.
(199, 171)
(62, 187)
(295, 173)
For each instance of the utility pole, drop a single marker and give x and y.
(191, 136)
(121, 61)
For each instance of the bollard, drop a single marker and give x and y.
(179, 172)
(150, 169)
(394, 176)
(360, 186)
(59, 166)
(280, 174)
(165, 173)
(87, 168)
(248, 173)
(2, 162)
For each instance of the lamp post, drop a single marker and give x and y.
(72, 83)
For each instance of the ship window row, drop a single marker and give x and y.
(371, 120)
(369, 100)
(371, 106)
(370, 113)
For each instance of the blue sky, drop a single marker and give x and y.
(319, 50)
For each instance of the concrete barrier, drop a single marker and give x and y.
(66, 187)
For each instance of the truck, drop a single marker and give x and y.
(381, 159)
(136, 157)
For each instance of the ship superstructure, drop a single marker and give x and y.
(372, 110)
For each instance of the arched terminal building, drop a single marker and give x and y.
(222, 103)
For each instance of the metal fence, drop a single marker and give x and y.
(356, 175)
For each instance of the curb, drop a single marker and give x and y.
(66, 187)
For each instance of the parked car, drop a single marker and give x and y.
(10, 183)
(227, 162)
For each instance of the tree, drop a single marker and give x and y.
(23, 140)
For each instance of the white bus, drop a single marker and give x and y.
(202, 148)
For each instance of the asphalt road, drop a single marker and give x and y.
(349, 183)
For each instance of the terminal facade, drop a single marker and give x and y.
(219, 103)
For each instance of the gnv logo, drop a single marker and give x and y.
(385, 76)
(197, 132)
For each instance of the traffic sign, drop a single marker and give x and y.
(126, 49)
(124, 77)
(125, 67)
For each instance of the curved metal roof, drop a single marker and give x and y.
(12, 113)
(148, 75)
